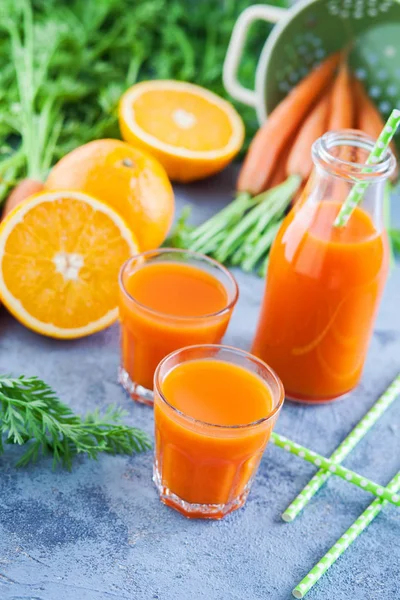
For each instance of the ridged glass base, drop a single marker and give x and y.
(197, 511)
(137, 392)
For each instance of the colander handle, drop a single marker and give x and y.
(271, 14)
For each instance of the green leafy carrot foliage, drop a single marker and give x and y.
(31, 414)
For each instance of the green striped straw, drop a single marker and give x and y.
(345, 541)
(334, 468)
(344, 449)
(377, 153)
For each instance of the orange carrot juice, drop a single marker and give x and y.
(322, 293)
(214, 411)
(169, 299)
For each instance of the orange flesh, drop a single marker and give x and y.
(197, 124)
(322, 293)
(53, 231)
(202, 464)
(175, 290)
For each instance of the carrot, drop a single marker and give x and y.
(280, 125)
(25, 188)
(279, 174)
(369, 119)
(342, 103)
(300, 160)
(341, 117)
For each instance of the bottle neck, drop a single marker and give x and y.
(340, 163)
(326, 187)
(344, 154)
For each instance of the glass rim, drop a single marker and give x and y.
(248, 355)
(190, 253)
(322, 155)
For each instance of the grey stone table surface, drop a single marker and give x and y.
(100, 532)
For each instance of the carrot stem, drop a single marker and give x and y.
(224, 217)
(262, 246)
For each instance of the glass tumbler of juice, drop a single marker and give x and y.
(169, 299)
(214, 411)
(324, 283)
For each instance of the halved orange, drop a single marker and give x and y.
(60, 255)
(192, 131)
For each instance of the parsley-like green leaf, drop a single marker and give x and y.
(31, 413)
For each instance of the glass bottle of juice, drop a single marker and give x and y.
(324, 283)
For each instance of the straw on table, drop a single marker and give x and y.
(377, 153)
(345, 541)
(335, 469)
(357, 434)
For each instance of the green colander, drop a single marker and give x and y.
(307, 33)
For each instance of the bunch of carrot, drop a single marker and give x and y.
(279, 161)
(320, 102)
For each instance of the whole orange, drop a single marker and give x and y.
(129, 180)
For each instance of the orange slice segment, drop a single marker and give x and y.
(193, 132)
(60, 255)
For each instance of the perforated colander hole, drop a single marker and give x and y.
(392, 90)
(382, 75)
(308, 36)
(317, 41)
(359, 9)
(385, 107)
(375, 91)
(301, 56)
(372, 59)
(390, 51)
(333, 7)
(386, 4)
(284, 86)
(361, 74)
(294, 77)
